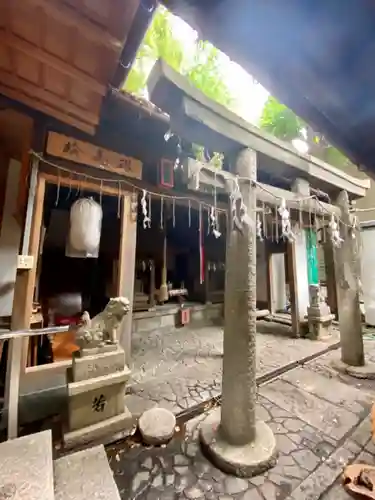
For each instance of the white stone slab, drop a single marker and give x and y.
(26, 470)
(85, 475)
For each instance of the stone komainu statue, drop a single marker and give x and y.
(101, 329)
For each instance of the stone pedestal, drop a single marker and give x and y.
(318, 315)
(96, 393)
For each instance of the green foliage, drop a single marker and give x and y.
(280, 121)
(202, 69)
(205, 74)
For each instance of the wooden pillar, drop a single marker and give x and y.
(292, 274)
(206, 282)
(298, 266)
(347, 270)
(23, 296)
(152, 284)
(126, 269)
(268, 255)
(277, 279)
(329, 264)
(163, 290)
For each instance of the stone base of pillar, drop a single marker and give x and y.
(367, 371)
(242, 461)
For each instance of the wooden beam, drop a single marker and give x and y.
(198, 119)
(46, 109)
(223, 181)
(233, 135)
(72, 17)
(292, 200)
(33, 91)
(31, 50)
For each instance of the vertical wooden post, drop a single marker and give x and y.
(163, 290)
(329, 264)
(23, 296)
(297, 284)
(206, 282)
(126, 270)
(292, 273)
(270, 298)
(152, 284)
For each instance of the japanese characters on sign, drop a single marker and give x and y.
(68, 148)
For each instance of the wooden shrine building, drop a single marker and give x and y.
(66, 132)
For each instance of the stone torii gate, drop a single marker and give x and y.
(232, 437)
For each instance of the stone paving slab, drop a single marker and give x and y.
(26, 471)
(180, 369)
(336, 392)
(181, 471)
(333, 420)
(308, 466)
(358, 448)
(319, 424)
(84, 475)
(323, 365)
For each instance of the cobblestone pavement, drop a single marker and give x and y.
(182, 368)
(320, 421)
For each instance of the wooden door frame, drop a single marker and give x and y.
(59, 180)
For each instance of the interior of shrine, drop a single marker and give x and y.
(68, 283)
(178, 258)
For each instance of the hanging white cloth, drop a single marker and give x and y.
(85, 227)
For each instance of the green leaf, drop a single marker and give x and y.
(160, 42)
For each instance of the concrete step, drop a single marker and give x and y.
(85, 475)
(26, 468)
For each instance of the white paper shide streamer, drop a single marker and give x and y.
(286, 228)
(335, 233)
(239, 217)
(214, 223)
(85, 228)
(146, 218)
(259, 230)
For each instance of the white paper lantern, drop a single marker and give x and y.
(85, 226)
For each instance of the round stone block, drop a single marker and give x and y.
(157, 426)
(242, 461)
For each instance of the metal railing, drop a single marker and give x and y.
(13, 334)
(14, 370)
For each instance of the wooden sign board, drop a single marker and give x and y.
(69, 148)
